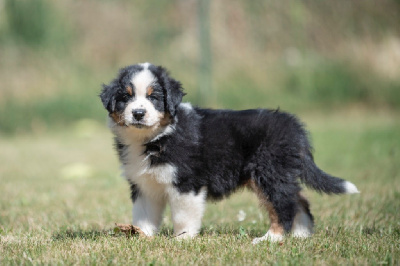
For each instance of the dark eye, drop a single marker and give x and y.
(155, 96)
(120, 106)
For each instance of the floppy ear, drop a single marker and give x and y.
(107, 97)
(173, 91)
(109, 92)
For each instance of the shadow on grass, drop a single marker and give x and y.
(91, 234)
(232, 230)
(94, 234)
(220, 230)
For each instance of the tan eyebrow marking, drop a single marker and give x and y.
(150, 90)
(129, 90)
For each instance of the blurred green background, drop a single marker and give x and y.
(301, 56)
(336, 64)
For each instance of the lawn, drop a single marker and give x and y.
(61, 194)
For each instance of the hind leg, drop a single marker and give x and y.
(276, 230)
(304, 221)
(288, 210)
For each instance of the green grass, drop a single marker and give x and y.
(61, 194)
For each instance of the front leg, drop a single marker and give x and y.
(187, 211)
(147, 213)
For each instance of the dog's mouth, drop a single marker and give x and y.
(139, 125)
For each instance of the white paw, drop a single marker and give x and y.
(184, 236)
(302, 233)
(268, 237)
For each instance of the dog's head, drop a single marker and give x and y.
(142, 96)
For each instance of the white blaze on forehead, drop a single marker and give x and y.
(142, 81)
(145, 65)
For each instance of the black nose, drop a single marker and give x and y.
(138, 114)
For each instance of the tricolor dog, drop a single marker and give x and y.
(174, 153)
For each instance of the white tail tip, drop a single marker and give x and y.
(350, 188)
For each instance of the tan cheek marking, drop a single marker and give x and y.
(129, 90)
(165, 120)
(118, 118)
(276, 227)
(149, 91)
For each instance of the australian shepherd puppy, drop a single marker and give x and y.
(172, 152)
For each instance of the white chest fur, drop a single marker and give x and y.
(151, 180)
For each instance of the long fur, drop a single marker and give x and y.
(192, 154)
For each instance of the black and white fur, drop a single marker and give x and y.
(174, 153)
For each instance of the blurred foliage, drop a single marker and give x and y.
(36, 23)
(52, 112)
(333, 83)
(296, 55)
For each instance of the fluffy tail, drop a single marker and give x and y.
(317, 179)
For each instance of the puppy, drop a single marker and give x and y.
(174, 153)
